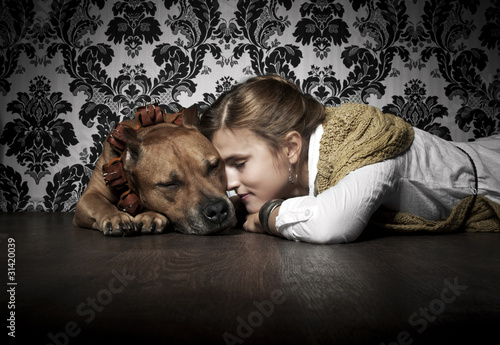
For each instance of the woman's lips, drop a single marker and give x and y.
(244, 197)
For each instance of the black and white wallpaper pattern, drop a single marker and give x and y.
(71, 69)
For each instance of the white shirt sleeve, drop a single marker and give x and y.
(339, 214)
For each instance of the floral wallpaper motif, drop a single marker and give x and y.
(70, 70)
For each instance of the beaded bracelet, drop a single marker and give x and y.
(265, 213)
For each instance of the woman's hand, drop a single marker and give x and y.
(252, 223)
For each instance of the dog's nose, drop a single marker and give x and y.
(216, 211)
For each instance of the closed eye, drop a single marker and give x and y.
(168, 185)
(171, 182)
(213, 167)
(239, 165)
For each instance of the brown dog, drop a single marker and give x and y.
(177, 174)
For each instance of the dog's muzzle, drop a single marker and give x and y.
(216, 211)
(214, 216)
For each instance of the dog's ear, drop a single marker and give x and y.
(190, 117)
(131, 154)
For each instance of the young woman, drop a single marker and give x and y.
(315, 174)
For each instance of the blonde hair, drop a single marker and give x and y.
(270, 107)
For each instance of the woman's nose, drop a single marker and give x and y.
(232, 179)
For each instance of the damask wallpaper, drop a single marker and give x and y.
(70, 70)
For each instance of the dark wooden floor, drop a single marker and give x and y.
(75, 286)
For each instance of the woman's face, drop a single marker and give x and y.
(252, 171)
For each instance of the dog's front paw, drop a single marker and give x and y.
(151, 222)
(119, 224)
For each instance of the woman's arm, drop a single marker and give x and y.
(339, 214)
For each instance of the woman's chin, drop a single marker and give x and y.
(253, 207)
(252, 210)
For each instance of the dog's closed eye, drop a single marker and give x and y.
(171, 182)
(169, 185)
(213, 166)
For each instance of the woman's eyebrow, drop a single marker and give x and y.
(235, 156)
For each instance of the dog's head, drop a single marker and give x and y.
(176, 171)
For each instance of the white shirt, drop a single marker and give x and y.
(427, 180)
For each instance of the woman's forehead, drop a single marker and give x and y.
(236, 143)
